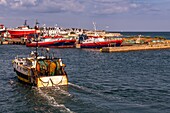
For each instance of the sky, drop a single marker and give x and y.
(110, 15)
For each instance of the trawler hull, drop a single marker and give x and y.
(101, 44)
(68, 43)
(43, 81)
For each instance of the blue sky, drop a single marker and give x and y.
(112, 15)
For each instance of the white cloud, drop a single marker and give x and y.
(61, 6)
(3, 2)
(113, 6)
(28, 2)
(44, 5)
(22, 4)
(103, 7)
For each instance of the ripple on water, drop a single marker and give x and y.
(128, 82)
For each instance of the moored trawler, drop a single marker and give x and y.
(23, 31)
(40, 71)
(98, 42)
(55, 42)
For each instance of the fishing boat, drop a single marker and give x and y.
(22, 31)
(55, 42)
(98, 42)
(40, 70)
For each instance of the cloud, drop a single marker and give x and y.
(113, 6)
(93, 7)
(46, 6)
(60, 6)
(57, 6)
(3, 2)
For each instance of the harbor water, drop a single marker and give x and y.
(125, 82)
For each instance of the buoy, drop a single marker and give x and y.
(100, 50)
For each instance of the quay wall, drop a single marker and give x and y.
(13, 41)
(135, 48)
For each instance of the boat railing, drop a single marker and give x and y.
(20, 56)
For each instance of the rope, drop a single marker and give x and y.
(53, 84)
(42, 82)
(57, 83)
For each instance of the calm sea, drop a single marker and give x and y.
(125, 82)
(151, 34)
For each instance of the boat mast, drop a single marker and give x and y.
(36, 38)
(36, 24)
(25, 23)
(95, 29)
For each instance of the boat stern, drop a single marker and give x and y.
(48, 81)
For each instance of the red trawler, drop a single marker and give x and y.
(98, 42)
(23, 31)
(52, 42)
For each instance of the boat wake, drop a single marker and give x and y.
(51, 101)
(60, 90)
(95, 92)
(80, 87)
(11, 82)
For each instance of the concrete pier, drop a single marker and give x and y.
(17, 41)
(4, 42)
(135, 48)
(78, 46)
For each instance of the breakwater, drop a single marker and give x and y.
(18, 41)
(136, 47)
